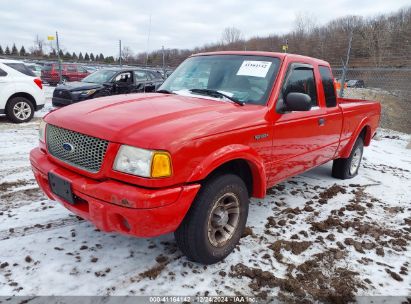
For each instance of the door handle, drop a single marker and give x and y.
(321, 121)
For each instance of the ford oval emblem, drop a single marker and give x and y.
(68, 147)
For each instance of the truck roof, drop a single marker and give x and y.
(282, 56)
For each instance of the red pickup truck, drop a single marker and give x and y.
(224, 127)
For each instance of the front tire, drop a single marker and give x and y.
(19, 110)
(345, 168)
(216, 220)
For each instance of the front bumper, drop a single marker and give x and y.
(114, 206)
(61, 102)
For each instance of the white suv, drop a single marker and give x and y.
(21, 93)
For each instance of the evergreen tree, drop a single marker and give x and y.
(74, 56)
(7, 51)
(61, 54)
(86, 57)
(67, 56)
(91, 56)
(109, 59)
(14, 50)
(23, 51)
(80, 57)
(101, 57)
(1, 51)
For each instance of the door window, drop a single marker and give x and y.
(124, 78)
(21, 67)
(71, 68)
(301, 80)
(141, 75)
(328, 86)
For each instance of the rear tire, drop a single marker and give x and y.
(19, 110)
(216, 220)
(345, 168)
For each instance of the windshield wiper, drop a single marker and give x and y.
(214, 93)
(165, 91)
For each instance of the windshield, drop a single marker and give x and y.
(247, 79)
(100, 76)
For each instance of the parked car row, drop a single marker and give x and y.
(21, 88)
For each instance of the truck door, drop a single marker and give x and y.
(297, 139)
(332, 118)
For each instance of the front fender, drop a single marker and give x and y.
(230, 153)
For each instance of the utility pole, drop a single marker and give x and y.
(148, 39)
(345, 65)
(164, 62)
(119, 44)
(58, 56)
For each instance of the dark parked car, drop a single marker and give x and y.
(107, 82)
(69, 72)
(355, 83)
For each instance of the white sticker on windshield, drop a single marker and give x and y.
(254, 68)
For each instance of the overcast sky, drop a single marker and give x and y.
(97, 25)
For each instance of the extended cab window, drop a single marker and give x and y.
(3, 73)
(22, 68)
(301, 80)
(328, 86)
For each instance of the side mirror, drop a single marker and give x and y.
(298, 102)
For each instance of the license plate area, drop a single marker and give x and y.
(61, 187)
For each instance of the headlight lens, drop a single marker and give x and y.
(142, 162)
(42, 131)
(86, 92)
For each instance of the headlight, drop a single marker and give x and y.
(142, 162)
(86, 92)
(42, 131)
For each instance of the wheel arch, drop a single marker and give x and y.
(363, 131)
(24, 95)
(241, 161)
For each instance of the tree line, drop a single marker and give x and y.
(379, 41)
(38, 52)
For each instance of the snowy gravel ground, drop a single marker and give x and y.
(311, 237)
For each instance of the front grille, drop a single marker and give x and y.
(60, 93)
(76, 149)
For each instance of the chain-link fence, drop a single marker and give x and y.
(390, 86)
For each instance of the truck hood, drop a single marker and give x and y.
(79, 86)
(155, 121)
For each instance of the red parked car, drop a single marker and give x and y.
(224, 127)
(69, 72)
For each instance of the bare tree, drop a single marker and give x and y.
(304, 23)
(127, 54)
(37, 49)
(231, 35)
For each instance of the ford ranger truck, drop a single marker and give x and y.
(224, 127)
